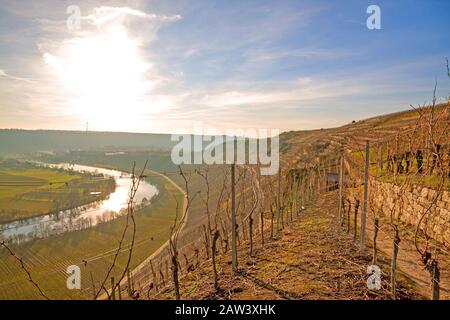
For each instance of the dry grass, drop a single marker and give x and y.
(310, 259)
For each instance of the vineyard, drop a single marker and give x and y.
(371, 193)
(170, 152)
(91, 249)
(388, 179)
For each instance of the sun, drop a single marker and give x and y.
(104, 75)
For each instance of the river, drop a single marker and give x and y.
(81, 217)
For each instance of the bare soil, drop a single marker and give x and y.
(310, 259)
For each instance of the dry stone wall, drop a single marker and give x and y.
(414, 202)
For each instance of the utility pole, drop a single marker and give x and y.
(233, 219)
(366, 188)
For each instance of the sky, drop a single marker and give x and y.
(160, 66)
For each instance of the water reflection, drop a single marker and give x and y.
(81, 217)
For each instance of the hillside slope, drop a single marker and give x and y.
(309, 259)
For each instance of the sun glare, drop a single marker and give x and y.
(105, 76)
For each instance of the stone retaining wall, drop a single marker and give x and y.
(414, 201)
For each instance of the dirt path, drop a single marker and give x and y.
(409, 262)
(310, 259)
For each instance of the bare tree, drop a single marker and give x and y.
(256, 199)
(176, 229)
(213, 219)
(431, 264)
(135, 182)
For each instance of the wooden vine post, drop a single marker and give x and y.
(341, 182)
(234, 260)
(366, 190)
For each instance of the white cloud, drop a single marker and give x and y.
(235, 82)
(104, 14)
(6, 75)
(107, 73)
(312, 53)
(304, 81)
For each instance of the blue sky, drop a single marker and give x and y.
(229, 64)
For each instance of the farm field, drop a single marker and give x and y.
(31, 191)
(91, 249)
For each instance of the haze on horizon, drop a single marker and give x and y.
(156, 66)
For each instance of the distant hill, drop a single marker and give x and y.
(13, 141)
(17, 141)
(294, 145)
(305, 146)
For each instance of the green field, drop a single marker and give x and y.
(31, 191)
(48, 259)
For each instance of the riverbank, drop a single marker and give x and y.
(36, 191)
(49, 258)
(139, 272)
(80, 217)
